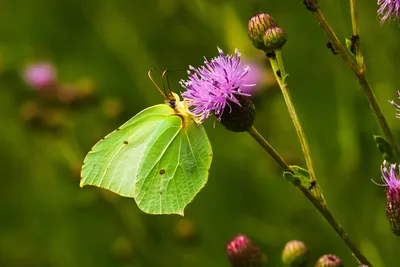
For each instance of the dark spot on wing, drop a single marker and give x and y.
(118, 129)
(125, 142)
(103, 138)
(162, 171)
(160, 192)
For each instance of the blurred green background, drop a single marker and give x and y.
(106, 48)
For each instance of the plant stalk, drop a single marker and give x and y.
(280, 75)
(271, 151)
(317, 200)
(357, 69)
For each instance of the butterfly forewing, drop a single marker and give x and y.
(114, 161)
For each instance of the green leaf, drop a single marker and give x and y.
(158, 157)
(385, 148)
(301, 178)
(298, 176)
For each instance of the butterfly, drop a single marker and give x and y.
(160, 157)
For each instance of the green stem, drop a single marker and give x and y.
(337, 227)
(320, 206)
(359, 72)
(356, 35)
(280, 75)
(316, 198)
(264, 143)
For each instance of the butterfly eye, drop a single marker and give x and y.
(172, 103)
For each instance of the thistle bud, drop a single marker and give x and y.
(243, 253)
(392, 184)
(329, 260)
(295, 254)
(274, 39)
(239, 118)
(257, 27)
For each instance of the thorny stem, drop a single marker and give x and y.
(316, 199)
(280, 75)
(358, 70)
(264, 143)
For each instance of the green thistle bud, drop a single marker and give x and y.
(257, 27)
(329, 260)
(239, 117)
(243, 253)
(295, 254)
(274, 39)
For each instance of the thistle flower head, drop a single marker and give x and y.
(395, 104)
(388, 9)
(392, 183)
(40, 75)
(216, 87)
(243, 253)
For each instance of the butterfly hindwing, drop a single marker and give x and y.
(178, 171)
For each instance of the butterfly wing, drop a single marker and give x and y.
(174, 170)
(157, 157)
(113, 163)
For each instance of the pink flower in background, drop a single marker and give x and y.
(40, 75)
(254, 78)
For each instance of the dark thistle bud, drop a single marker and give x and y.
(257, 27)
(239, 117)
(274, 39)
(243, 253)
(392, 183)
(295, 254)
(217, 89)
(329, 260)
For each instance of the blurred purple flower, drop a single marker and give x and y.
(388, 9)
(40, 75)
(211, 87)
(396, 105)
(392, 183)
(254, 78)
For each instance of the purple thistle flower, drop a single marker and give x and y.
(396, 105)
(217, 84)
(388, 8)
(40, 75)
(392, 183)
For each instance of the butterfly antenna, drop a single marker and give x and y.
(166, 86)
(151, 79)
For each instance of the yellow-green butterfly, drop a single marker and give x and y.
(160, 157)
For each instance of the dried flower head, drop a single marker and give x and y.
(391, 181)
(243, 253)
(40, 75)
(389, 9)
(217, 87)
